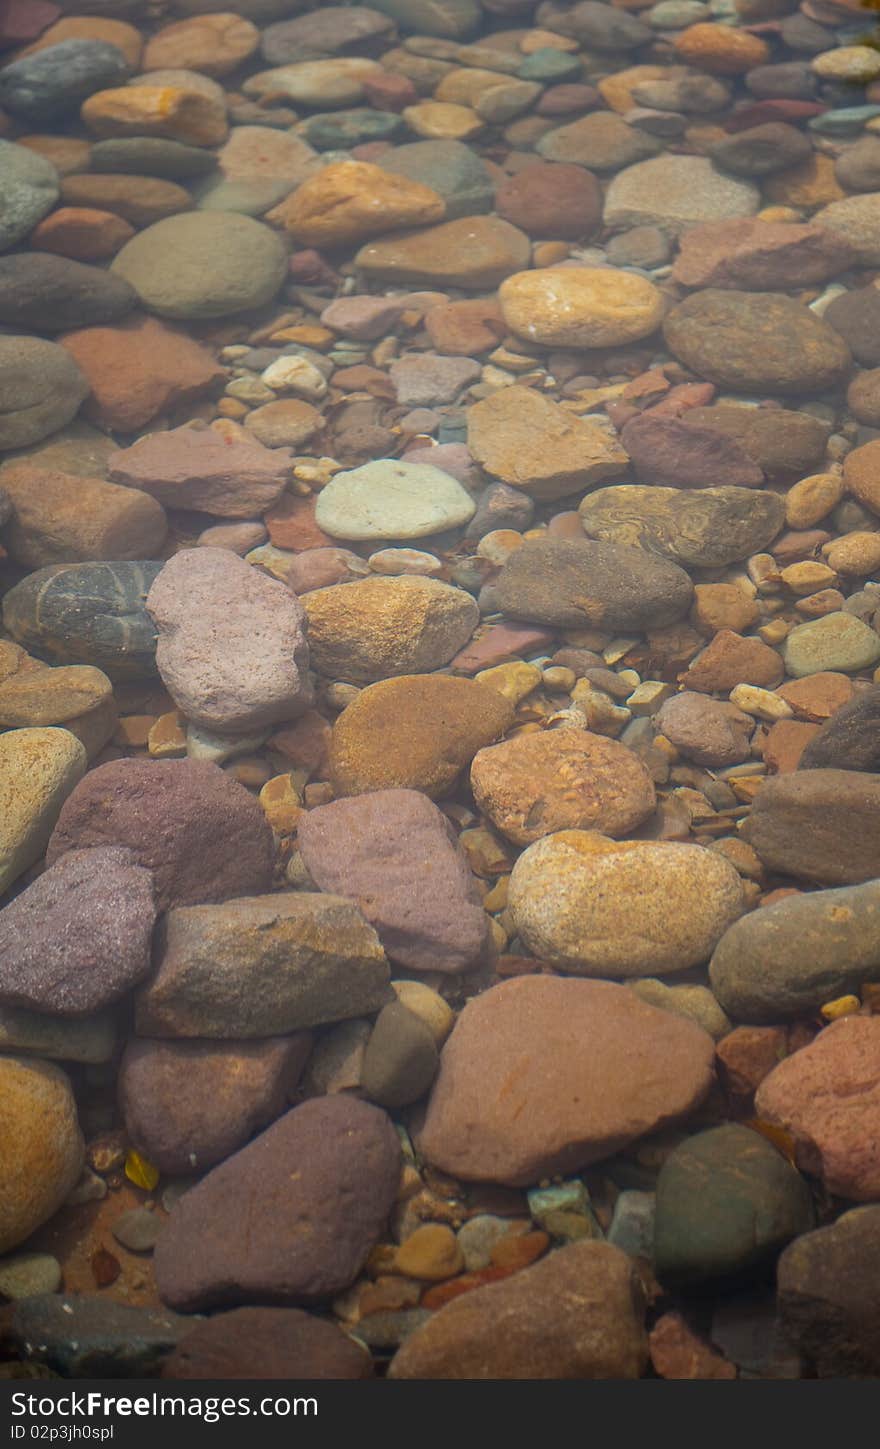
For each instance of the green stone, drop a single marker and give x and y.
(837, 642)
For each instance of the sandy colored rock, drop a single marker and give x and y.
(61, 518)
(533, 444)
(475, 253)
(203, 264)
(594, 907)
(214, 44)
(861, 474)
(41, 1144)
(156, 110)
(499, 1112)
(349, 201)
(379, 627)
(563, 779)
(38, 770)
(581, 306)
(676, 193)
(417, 732)
(392, 498)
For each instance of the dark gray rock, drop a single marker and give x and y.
(53, 82)
(88, 1336)
(44, 293)
(850, 739)
(151, 156)
(827, 1294)
(500, 506)
(88, 613)
(401, 1059)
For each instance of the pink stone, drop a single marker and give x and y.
(198, 468)
(499, 645)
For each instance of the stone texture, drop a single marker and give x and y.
(80, 936)
(601, 140)
(416, 732)
(836, 642)
(379, 627)
(202, 834)
(260, 965)
(203, 264)
(759, 256)
(729, 660)
(44, 293)
(42, 389)
(87, 612)
(827, 1305)
(450, 168)
(818, 825)
(563, 779)
(702, 528)
(375, 848)
(861, 472)
(38, 770)
(708, 732)
(200, 469)
(474, 253)
(676, 453)
(620, 1068)
(676, 193)
(41, 1145)
(391, 499)
(347, 202)
(854, 219)
(88, 1335)
(63, 518)
(546, 200)
(29, 188)
(189, 1104)
(533, 444)
(266, 1343)
(777, 439)
(317, 1187)
(592, 585)
(400, 1062)
(848, 740)
(827, 1097)
(596, 907)
(232, 648)
(580, 306)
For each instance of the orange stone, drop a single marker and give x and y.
(91, 27)
(720, 49)
(785, 743)
(291, 524)
(153, 110)
(817, 697)
(82, 233)
(517, 1250)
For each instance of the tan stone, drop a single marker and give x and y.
(349, 201)
(617, 90)
(41, 1146)
(91, 27)
(861, 474)
(66, 153)
(472, 252)
(428, 1006)
(61, 518)
(720, 49)
(214, 44)
(43, 696)
(723, 606)
(812, 499)
(581, 306)
(819, 696)
(156, 110)
(526, 440)
(808, 186)
(853, 553)
(38, 770)
(442, 121)
(377, 627)
(431, 1253)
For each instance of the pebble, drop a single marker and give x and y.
(25, 1275)
(39, 769)
(94, 612)
(580, 306)
(390, 499)
(42, 1146)
(63, 518)
(676, 193)
(400, 1060)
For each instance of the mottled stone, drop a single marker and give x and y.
(580, 306)
(199, 469)
(676, 453)
(592, 585)
(88, 1335)
(708, 732)
(702, 528)
(380, 627)
(41, 1146)
(87, 612)
(676, 193)
(758, 255)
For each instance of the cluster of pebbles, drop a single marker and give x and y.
(439, 689)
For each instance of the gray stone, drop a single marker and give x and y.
(588, 585)
(45, 293)
(451, 169)
(41, 385)
(24, 1275)
(89, 1336)
(29, 188)
(90, 1039)
(838, 642)
(89, 613)
(151, 156)
(50, 84)
(401, 1058)
(827, 1300)
(203, 264)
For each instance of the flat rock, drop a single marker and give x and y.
(532, 444)
(581, 306)
(79, 937)
(203, 264)
(28, 189)
(620, 1068)
(325, 32)
(676, 453)
(267, 1343)
(87, 1335)
(759, 256)
(260, 965)
(380, 627)
(151, 156)
(44, 293)
(474, 253)
(87, 612)
(197, 468)
(392, 499)
(602, 140)
(777, 439)
(63, 518)
(42, 385)
(189, 1104)
(317, 1186)
(39, 768)
(41, 1144)
(589, 585)
(827, 1305)
(451, 169)
(595, 907)
(417, 732)
(400, 1060)
(791, 957)
(562, 779)
(818, 825)
(827, 1097)
(702, 528)
(676, 193)
(838, 642)
(854, 220)
(375, 849)
(89, 1039)
(203, 835)
(546, 199)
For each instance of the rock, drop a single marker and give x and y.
(139, 368)
(727, 1202)
(46, 86)
(90, 1039)
(318, 1186)
(392, 499)
(602, 140)
(87, 1335)
(152, 156)
(28, 189)
(60, 518)
(24, 1275)
(287, 423)
(855, 315)
(694, 1002)
(826, 1302)
(41, 1145)
(854, 220)
(176, 105)
(564, 779)
(473, 253)
(197, 468)
(641, 907)
(202, 834)
(400, 1061)
(41, 384)
(513, 1329)
(38, 770)
(756, 341)
(315, 83)
(761, 150)
(848, 740)
(415, 732)
(702, 528)
(612, 1079)
(425, 380)
(232, 648)
(379, 627)
(826, 1096)
(449, 168)
(212, 44)
(837, 642)
(189, 1104)
(547, 200)
(334, 28)
(708, 732)
(580, 306)
(373, 848)
(676, 193)
(729, 660)
(861, 473)
(791, 957)
(758, 256)
(266, 1343)
(776, 439)
(94, 611)
(83, 233)
(675, 453)
(79, 936)
(591, 585)
(45, 293)
(428, 1006)
(348, 201)
(262, 964)
(532, 443)
(79, 698)
(818, 825)
(201, 264)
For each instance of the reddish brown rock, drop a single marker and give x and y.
(730, 659)
(759, 255)
(723, 606)
(817, 697)
(551, 200)
(620, 1068)
(465, 329)
(818, 825)
(291, 524)
(201, 469)
(65, 518)
(746, 1056)
(676, 453)
(710, 732)
(86, 234)
(784, 744)
(267, 1343)
(139, 200)
(677, 1352)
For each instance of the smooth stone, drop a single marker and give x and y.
(42, 387)
(39, 768)
(601, 140)
(695, 1002)
(189, 1104)
(400, 1060)
(45, 87)
(827, 1097)
(589, 585)
(676, 193)
(201, 265)
(856, 316)
(392, 499)
(596, 907)
(259, 965)
(200, 832)
(417, 732)
(675, 453)
(575, 307)
(826, 1300)
(138, 1230)
(727, 1202)
(496, 1114)
(761, 150)
(88, 612)
(854, 219)
(474, 253)
(348, 201)
(323, 84)
(267, 1343)
(702, 528)
(373, 848)
(90, 1039)
(818, 825)
(150, 156)
(790, 958)
(29, 186)
(324, 32)
(759, 256)
(90, 1336)
(533, 444)
(449, 168)
(778, 440)
(42, 1148)
(838, 642)
(24, 1275)
(709, 732)
(318, 1186)
(546, 199)
(46, 293)
(848, 740)
(449, 19)
(379, 627)
(199, 469)
(79, 937)
(61, 518)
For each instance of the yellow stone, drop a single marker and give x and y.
(281, 804)
(307, 335)
(854, 553)
(432, 1253)
(464, 87)
(762, 703)
(807, 577)
(617, 90)
(442, 121)
(514, 680)
(167, 737)
(163, 111)
(811, 184)
(842, 1006)
(812, 499)
(533, 444)
(429, 1006)
(496, 898)
(581, 306)
(350, 201)
(487, 855)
